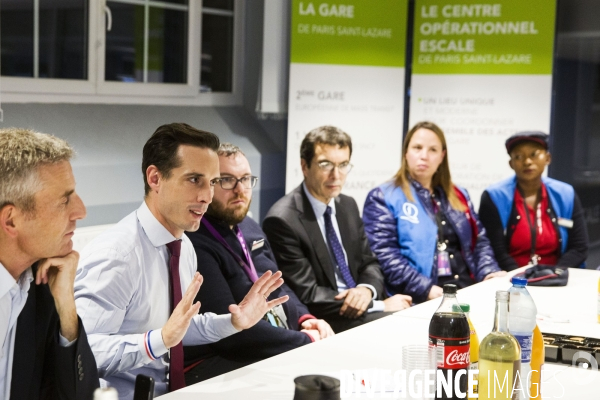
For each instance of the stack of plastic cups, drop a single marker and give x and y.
(417, 361)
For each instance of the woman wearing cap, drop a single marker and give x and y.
(532, 218)
(423, 228)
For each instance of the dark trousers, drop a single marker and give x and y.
(341, 324)
(211, 367)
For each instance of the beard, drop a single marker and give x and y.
(229, 216)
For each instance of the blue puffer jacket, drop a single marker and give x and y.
(401, 275)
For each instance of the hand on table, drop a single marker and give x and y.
(179, 321)
(255, 305)
(319, 325)
(435, 292)
(59, 274)
(397, 302)
(313, 333)
(356, 301)
(496, 274)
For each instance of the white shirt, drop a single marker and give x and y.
(319, 209)
(13, 296)
(122, 297)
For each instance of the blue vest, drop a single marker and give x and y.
(561, 196)
(417, 232)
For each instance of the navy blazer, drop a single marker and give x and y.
(303, 256)
(225, 283)
(42, 369)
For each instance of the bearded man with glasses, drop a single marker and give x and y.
(320, 243)
(232, 253)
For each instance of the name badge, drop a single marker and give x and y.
(257, 244)
(567, 223)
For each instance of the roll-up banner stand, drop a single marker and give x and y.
(347, 70)
(482, 71)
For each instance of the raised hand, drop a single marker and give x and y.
(59, 274)
(255, 304)
(179, 321)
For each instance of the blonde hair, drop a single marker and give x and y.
(442, 175)
(22, 152)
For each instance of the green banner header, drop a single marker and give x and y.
(475, 37)
(349, 32)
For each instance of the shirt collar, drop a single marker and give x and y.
(7, 281)
(318, 206)
(156, 232)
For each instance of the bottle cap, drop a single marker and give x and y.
(449, 288)
(519, 281)
(502, 295)
(463, 307)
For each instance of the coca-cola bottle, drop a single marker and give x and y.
(449, 336)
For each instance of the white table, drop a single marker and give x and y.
(378, 345)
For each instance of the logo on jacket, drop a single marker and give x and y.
(410, 213)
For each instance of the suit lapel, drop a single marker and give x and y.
(25, 345)
(347, 240)
(309, 221)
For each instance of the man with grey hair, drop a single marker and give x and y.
(45, 352)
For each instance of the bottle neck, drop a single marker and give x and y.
(501, 317)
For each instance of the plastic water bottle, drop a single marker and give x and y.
(521, 322)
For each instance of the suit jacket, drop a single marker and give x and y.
(42, 369)
(226, 283)
(303, 257)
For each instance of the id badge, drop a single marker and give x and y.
(276, 317)
(443, 261)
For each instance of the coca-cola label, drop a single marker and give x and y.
(451, 353)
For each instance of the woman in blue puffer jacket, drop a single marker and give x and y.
(423, 228)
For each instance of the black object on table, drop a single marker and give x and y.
(317, 387)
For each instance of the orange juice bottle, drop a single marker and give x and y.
(474, 351)
(537, 361)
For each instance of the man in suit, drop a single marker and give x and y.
(232, 253)
(319, 240)
(45, 353)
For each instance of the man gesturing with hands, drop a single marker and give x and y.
(137, 281)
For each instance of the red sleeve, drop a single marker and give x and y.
(305, 317)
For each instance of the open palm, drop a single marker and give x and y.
(255, 304)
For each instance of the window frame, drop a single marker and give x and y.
(96, 90)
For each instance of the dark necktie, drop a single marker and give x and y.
(336, 247)
(176, 378)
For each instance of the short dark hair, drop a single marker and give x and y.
(161, 149)
(327, 134)
(228, 149)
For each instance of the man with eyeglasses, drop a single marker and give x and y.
(319, 240)
(232, 253)
(136, 282)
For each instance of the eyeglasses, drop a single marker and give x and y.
(520, 157)
(328, 166)
(229, 182)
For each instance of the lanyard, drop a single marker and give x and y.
(532, 224)
(247, 265)
(437, 209)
